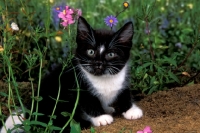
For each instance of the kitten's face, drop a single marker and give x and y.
(103, 52)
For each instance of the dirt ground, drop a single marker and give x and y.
(174, 111)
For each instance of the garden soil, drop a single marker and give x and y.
(173, 111)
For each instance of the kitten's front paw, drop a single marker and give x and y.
(133, 113)
(102, 120)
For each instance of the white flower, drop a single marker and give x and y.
(14, 26)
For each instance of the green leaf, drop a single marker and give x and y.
(170, 61)
(27, 128)
(38, 98)
(38, 123)
(146, 64)
(38, 114)
(65, 114)
(3, 94)
(145, 76)
(187, 30)
(55, 128)
(92, 130)
(173, 76)
(58, 100)
(152, 89)
(152, 80)
(75, 127)
(26, 122)
(191, 83)
(53, 117)
(9, 131)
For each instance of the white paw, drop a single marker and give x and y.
(102, 120)
(133, 113)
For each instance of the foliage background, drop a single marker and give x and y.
(171, 27)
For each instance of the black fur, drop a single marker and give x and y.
(118, 43)
(99, 52)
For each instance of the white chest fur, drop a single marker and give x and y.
(106, 87)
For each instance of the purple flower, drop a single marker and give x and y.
(110, 21)
(55, 11)
(179, 45)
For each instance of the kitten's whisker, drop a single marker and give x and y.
(90, 39)
(122, 46)
(114, 68)
(74, 67)
(114, 44)
(82, 59)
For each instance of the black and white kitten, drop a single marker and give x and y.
(102, 67)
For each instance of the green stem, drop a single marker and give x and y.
(2, 119)
(10, 93)
(76, 103)
(33, 94)
(58, 96)
(39, 83)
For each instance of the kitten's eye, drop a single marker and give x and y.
(90, 52)
(110, 55)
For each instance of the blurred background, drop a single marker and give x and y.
(165, 49)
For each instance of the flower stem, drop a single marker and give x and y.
(76, 103)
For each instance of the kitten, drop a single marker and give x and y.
(102, 66)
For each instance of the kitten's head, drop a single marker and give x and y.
(103, 52)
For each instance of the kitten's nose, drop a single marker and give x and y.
(99, 64)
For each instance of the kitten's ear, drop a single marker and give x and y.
(125, 34)
(84, 30)
(83, 26)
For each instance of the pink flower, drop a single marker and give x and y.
(147, 129)
(66, 16)
(78, 13)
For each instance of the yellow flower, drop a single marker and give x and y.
(162, 8)
(58, 38)
(51, 1)
(190, 5)
(181, 11)
(1, 49)
(125, 4)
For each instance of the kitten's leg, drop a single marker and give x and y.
(128, 109)
(107, 109)
(9, 124)
(94, 112)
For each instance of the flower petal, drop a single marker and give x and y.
(140, 131)
(147, 129)
(110, 20)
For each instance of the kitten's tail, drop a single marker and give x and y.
(14, 119)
